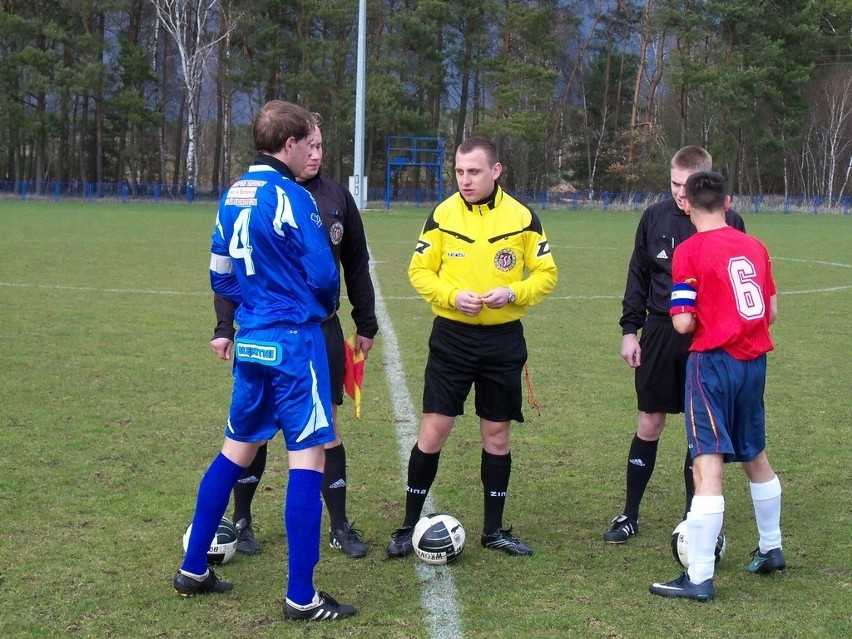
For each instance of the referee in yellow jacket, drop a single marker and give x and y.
(470, 264)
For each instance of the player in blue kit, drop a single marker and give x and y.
(348, 242)
(270, 254)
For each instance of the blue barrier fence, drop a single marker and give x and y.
(91, 191)
(377, 197)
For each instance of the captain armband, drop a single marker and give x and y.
(683, 298)
(221, 264)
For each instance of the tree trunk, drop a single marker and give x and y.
(178, 138)
(640, 66)
(99, 103)
(467, 60)
(565, 95)
(84, 138)
(191, 132)
(40, 147)
(160, 56)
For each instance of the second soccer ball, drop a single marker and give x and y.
(438, 538)
(679, 547)
(222, 546)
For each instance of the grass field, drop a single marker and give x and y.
(112, 405)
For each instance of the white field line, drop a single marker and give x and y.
(101, 289)
(438, 594)
(794, 259)
(587, 298)
(205, 293)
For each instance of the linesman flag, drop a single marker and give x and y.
(353, 373)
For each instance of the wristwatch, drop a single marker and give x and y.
(512, 296)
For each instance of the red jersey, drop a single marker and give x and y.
(725, 277)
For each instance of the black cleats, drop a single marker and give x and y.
(323, 608)
(189, 587)
(503, 539)
(246, 542)
(348, 539)
(400, 542)
(621, 530)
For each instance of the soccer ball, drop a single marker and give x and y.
(679, 545)
(222, 546)
(438, 538)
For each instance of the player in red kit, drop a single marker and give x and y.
(724, 294)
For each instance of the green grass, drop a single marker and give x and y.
(112, 405)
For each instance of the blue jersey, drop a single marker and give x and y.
(270, 252)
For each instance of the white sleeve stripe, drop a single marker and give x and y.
(683, 295)
(221, 264)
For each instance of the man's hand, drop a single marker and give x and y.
(363, 344)
(631, 351)
(496, 297)
(468, 303)
(222, 346)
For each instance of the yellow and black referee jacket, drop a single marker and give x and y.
(479, 247)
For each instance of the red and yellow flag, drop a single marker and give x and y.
(353, 373)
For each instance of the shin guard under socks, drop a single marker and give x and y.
(214, 491)
(494, 471)
(334, 485)
(422, 469)
(302, 519)
(640, 466)
(247, 485)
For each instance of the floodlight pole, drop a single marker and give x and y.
(358, 182)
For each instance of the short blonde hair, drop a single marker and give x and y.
(692, 158)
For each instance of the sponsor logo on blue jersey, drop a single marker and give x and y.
(267, 353)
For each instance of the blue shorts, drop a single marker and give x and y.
(724, 405)
(281, 382)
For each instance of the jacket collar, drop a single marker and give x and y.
(275, 163)
(487, 204)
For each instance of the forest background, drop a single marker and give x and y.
(580, 95)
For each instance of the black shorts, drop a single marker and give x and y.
(661, 378)
(333, 334)
(489, 358)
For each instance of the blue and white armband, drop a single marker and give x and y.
(683, 298)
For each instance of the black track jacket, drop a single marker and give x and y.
(649, 275)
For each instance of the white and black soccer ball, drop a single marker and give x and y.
(222, 546)
(438, 538)
(679, 547)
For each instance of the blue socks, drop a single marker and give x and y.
(214, 492)
(303, 520)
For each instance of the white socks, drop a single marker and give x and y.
(316, 601)
(703, 524)
(766, 498)
(192, 575)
